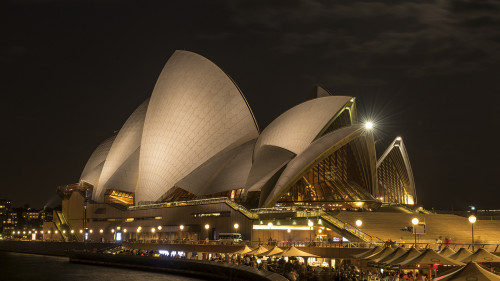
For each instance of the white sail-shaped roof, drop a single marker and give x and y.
(93, 168)
(120, 159)
(195, 112)
(396, 159)
(318, 149)
(295, 129)
(225, 171)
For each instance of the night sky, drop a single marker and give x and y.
(428, 71)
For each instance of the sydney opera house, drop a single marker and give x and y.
(191, 162)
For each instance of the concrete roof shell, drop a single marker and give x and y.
(405, 168)
(295, 129)
(319, 149)
(123, 157)
(195, 112)
(93, 168)
(225, 171)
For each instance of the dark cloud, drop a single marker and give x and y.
(435, 37)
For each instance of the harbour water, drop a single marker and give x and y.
(23, 267)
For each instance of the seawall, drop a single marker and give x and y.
(49, 248)
(203, 269)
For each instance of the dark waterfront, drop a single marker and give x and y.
(16, 266)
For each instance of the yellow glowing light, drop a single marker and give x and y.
(310, 223)
(153, 229)
(270, 225)
(236, 226)
(359, 223)
(72, 231)
(319, 230)
(125, 230)
(207, 226)
(415, 221)
(81, 230)
(289, 230)
(101, 230)
(159, 227)
(282, 227)
(112, 230)
(472, 219)
(369, 125)
(91, 231)
(182, 227)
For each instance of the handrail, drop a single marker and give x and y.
(242, 209)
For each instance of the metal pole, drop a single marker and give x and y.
(415, 245)
(472, 237)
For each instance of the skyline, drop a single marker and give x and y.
(415, 68)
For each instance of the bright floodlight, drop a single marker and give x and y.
(236, 226)
(207, 226)
(310, 223)
(472, 219)
(369, 125)
(359, 223)
(414, 221)
(182, 227)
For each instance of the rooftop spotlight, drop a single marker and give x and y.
(369, 125)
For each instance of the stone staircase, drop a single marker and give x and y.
(386, 225)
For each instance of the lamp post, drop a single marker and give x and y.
(236, 226)
(415, 222)
(207, 226)
(270, 225)
(181, 227)
(310, 224)
(472, 220)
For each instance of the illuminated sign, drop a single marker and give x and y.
(217, 214)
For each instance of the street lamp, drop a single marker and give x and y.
(181, 227)
(270, 225)
(415, 222)
(359, 223)
(236, 226)
(472, 220)
(310, 224)
(207, 226)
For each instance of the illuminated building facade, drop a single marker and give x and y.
(196, 139)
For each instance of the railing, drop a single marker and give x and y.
(179, 203)
(242, 209)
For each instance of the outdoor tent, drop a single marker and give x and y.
(410, 254)
(294, 252)
(446, 251)
(396, 254)
(462, 253)
(429, 256)
(380, 255)
(243, 251)
(258, 251)
(368, 253)
(274, 251)
(481, 255)
(471, 272)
